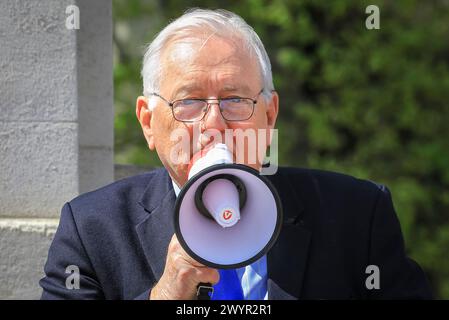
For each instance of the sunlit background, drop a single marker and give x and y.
(369, 103)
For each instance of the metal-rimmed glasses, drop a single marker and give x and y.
(232, 108)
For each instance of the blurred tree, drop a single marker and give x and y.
(135, 24)
(370, 103)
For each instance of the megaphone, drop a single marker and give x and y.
(227, 215)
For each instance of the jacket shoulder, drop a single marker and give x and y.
(327, 179)
(120, 196)
(330, 185)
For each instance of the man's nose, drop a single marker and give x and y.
(213, 118)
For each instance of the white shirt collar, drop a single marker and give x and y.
(175, 187)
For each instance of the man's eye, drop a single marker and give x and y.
(234, 99)
(189, 102)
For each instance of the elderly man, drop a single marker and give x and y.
(208, 71)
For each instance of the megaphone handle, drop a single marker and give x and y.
(203, 290)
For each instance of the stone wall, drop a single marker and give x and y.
(56, 126)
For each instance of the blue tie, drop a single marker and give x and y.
(229, 287)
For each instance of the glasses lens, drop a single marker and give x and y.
(189, 110)
(235, 109)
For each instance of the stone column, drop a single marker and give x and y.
(56, 126)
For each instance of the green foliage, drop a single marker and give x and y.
(370, 103)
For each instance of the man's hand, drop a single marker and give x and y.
(182, 275)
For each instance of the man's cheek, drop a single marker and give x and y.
(180, 146)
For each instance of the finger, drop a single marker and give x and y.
(208, 275)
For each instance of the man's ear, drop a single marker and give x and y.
(144, 115)
(272, 110)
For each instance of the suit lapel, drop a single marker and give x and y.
(287, 259)
(157, 228)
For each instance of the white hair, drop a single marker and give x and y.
(221, 22)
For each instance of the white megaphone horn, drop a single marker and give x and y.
(227, 215)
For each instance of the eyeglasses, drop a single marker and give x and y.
(232, 108)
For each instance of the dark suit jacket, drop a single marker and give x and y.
(334, 227)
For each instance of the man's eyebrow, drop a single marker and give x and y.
(185, 90)
(240, 88)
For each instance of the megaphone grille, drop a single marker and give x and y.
(239, 185)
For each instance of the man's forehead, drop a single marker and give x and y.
(180, 51)
(187, 60)
(236, 86)
(210, 50)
